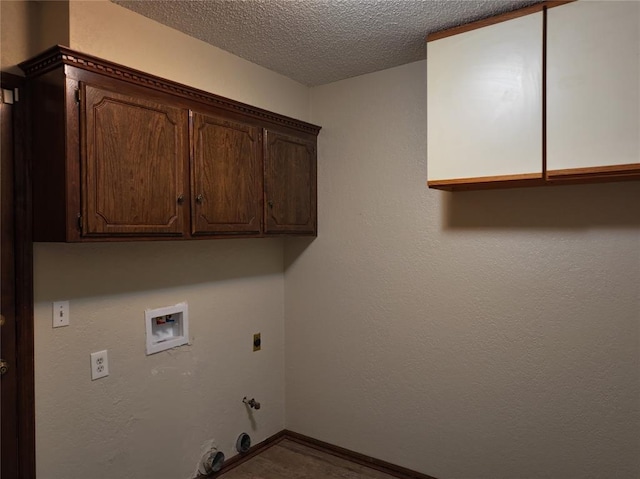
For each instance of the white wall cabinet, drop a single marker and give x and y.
(487, 105)
(593, 88)
(484, 105)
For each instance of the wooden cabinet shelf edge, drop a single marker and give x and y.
(121, 155)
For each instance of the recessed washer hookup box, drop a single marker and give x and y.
(167, 327)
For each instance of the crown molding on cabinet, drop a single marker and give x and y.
(61, 55)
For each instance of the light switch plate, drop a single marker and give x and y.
(60, 314)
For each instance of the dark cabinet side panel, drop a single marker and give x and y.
(225, 177)
(9, 391)
(290, 184)
(45, 96)
(134, 165)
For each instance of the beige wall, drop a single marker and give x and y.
(152, 415)
(29, 27)
(109, 31)
(470, 335)
(16, 44)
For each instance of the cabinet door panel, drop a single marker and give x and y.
(593, 93)
(290, 184)
(226, 176)
(133, 165)
(485, 101)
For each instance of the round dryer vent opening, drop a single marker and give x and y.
(211, 462)
(243, 443)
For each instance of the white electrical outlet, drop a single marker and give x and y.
(99, 365)
(60, 314)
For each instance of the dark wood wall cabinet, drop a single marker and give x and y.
(119, 154)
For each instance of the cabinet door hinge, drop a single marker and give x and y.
(77, 93)
(80, 222)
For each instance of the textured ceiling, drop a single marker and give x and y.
(319, 41)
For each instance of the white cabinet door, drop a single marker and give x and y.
(484, 106)
(593, 85)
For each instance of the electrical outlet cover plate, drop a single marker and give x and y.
(99, 365)
(167, 327)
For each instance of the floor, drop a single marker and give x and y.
(289, 460)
